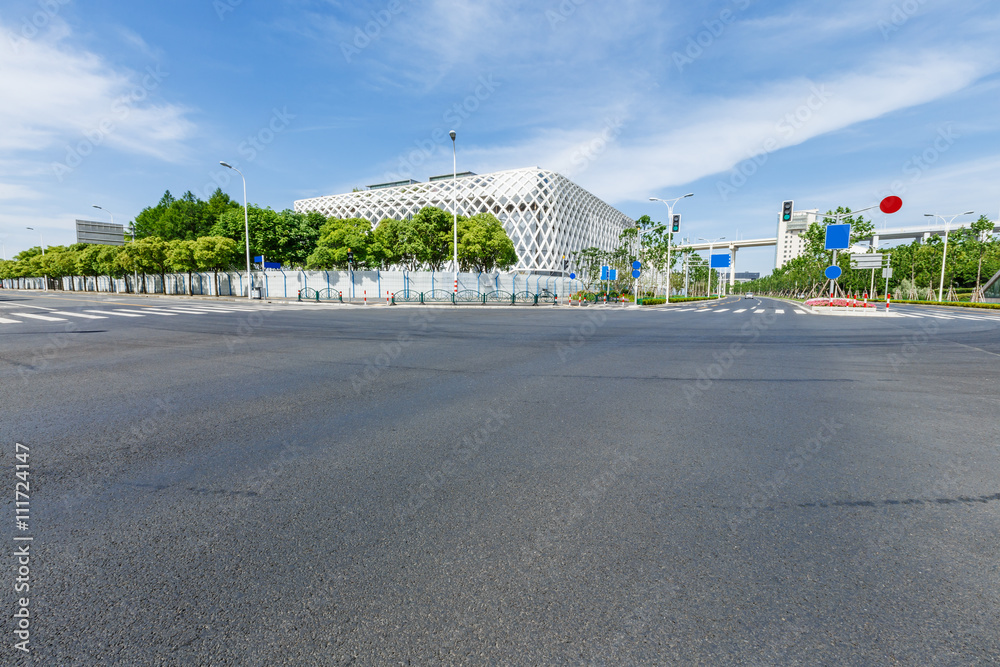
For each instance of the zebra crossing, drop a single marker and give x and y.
(909, 314)
(11, 315)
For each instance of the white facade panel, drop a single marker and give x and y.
(545, 214)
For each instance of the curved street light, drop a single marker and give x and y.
(670, 220)
(944, 256)
(246, 226)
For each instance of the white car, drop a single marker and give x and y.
(749, 296)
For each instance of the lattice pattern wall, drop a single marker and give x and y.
(545, 214)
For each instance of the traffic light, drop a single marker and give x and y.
(677, 223)
(786, 211)
(565, 263)
(350, 257)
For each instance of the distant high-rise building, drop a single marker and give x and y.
(791, 241)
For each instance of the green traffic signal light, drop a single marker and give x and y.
(786, 211)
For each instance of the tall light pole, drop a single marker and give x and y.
(670, 221)
(944, 256)
(246, 226)
(454, 196)
(711, 246)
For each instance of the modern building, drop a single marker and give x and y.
(991, 290)
(791, 236)
(546, 215)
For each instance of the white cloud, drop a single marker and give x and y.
(57, 94)
(720, 133)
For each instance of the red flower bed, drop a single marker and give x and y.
(841, 303)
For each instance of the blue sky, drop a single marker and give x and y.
(743, 103)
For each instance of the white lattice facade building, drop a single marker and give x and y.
(546, 215)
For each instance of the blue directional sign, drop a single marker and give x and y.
(721, 261)
(636, 265)
(272, 265)
(572, 276)
(838, 237)
(604, 273)
(613, 274)
(636, 273)
(258, 259)
(834, 272)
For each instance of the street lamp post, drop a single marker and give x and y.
(711, 246)
(41, 244)
(944, 256)
(454, 204)
(246, 226)
(670, 221)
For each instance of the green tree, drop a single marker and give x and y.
(435, 229)
(216, 253)
(181, 258)
(338, 236)
(483, 244)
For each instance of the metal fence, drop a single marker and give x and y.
(282, 284)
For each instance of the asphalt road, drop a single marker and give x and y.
(286, 484)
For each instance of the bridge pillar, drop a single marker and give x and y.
(732, 266)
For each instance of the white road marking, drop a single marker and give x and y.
(741, 310)
(112, 312)
(779, 312)
(89, 317)
(39, 317)
(758, 311)
(724, 310)
(6, 321)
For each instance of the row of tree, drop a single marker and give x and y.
(973, 256)
(188, 234)
(146, 256)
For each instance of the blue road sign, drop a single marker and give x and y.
(272, 265)
(636, 265)
(838, 237)
(721, 261)
(604, 273)
(636, 273)
(572, 276)
(834, 272)
(258, 259)
(613, 274)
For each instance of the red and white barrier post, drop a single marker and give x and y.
(888, 300)
(366, 297)
(866, 299)
(387, 297)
